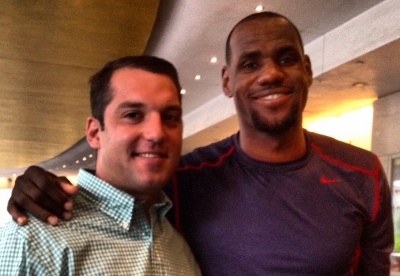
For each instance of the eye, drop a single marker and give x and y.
(172, 119)
(289, 59)
(134, 115)
(249, 65)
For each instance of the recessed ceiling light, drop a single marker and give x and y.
(77, 161)
(197, 77)
(90, 155)
(359, 84)
(259, 8)
(183, 91)
(213, 60)
(64, 166)
(84, 158)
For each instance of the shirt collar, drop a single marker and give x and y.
(113, 202)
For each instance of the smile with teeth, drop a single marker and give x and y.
(273, 97)
(149, 155)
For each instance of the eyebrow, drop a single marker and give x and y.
(288, 48)
(256, 54)
(250, 55)
(141, 105)
(131, 105)
(174, 108)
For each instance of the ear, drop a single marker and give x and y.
(308, 67)
(225, 82)
(93, 129)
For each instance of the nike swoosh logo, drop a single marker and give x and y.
(325, 180)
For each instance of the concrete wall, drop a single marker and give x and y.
(386, 129)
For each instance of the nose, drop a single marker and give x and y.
(153, 129)
(270, 73)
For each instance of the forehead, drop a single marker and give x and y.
(135, 83)
(263, 33)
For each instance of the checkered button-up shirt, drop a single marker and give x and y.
(109, 235)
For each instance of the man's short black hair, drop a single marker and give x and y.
(100, 93)
(256, 16)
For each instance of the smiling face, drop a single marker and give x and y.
(268, 76)
(139, 147)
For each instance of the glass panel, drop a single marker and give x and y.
(396, 201)
(395, 178)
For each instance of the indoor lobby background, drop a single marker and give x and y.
(48, 50)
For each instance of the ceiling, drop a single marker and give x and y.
(48, 50)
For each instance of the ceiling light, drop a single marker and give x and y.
(359, 84)
(3, 182)
(64, 166)
(84, 158)
(197, 77)
(213, 60)
(259, 8)
(90, 155)
(77, 161)
(183, 92)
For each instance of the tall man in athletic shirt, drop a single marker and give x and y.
(272, 199)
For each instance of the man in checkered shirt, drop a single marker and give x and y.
(119, 225)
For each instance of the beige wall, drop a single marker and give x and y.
(385, 140)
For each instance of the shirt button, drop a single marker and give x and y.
(125, 225)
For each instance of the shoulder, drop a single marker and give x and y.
(36, 230)
(38, 234)
(7, 230)
(36, 248)
(336, 151)
(12, 231)
(12, 250)
(210, 154)
(25, 240)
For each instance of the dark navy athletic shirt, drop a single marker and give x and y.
(328, 213)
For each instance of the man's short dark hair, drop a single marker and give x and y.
(100, 92)
(256, 16)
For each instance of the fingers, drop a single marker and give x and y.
(19, 217)
(16, 213)
(54, 187)
(42, 194)
(71, 191)
(62, 179)
(30, 195)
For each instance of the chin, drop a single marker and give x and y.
(277, 127)
(155, 182)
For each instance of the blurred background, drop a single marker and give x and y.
(49, 49)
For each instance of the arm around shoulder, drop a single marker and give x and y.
(43, 194)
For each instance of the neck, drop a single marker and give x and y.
(149, 197)
(148, 204)
(281, 148)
